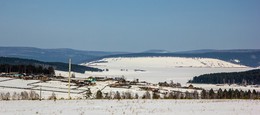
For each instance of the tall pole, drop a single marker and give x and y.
(40, 92)
(69, 78)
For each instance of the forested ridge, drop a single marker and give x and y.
(251, 77)
(56, 65)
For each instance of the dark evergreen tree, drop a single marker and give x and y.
(211, 94)
(220, 94)
(99, 95)
(203, 94)
(155, 95)
(225, 93)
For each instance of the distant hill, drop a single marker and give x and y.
(156, 51)
(56, 65)
(53, 55)
(163, 62)
(246, 57)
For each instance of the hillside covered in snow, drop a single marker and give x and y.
(155, 69)
(168, 62)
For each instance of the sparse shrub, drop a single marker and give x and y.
(53, 96)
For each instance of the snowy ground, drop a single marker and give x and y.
(46, 88)
(163, 62)
(163, 69)
(158, 69)
(131, 107)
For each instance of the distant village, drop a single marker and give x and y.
(161, 90)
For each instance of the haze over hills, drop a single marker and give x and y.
(247, 57)
(52, 55)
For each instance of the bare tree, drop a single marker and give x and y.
(147, 95)
(136, 96)
(15, 96)
(117, 95)
(2, 95)
(24, 95)
(33, 95)
(7, 96)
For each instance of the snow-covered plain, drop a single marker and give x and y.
(131, 107)
(159, 69)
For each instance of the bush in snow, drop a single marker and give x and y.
(53, 96)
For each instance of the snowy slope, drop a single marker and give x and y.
(158, 69)
(167, 62)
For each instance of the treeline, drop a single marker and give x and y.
(204, 94)
(251, 77)
(56, 65)
(24, 95)
(28, 69)
(230, 94)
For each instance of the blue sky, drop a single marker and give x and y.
(131, 25)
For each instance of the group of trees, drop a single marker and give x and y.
(146, 95)
(210, 94)
(32, 95)
(204, 94)
(116, 95)
(24, 95)
(230, 94)
(249, 77)
(28, 69)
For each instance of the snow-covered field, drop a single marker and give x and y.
(131, 107)
(158, 69)
(46, 88)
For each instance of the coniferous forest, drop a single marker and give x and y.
(251, 77)
(28, 69)
(56, 65)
